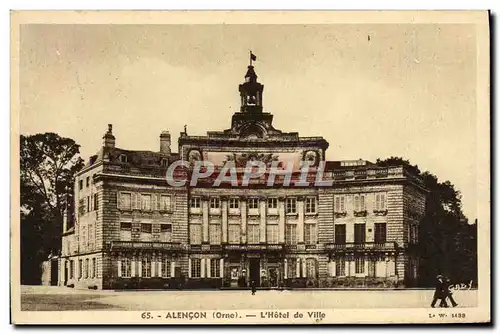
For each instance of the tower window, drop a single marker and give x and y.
(123, 158)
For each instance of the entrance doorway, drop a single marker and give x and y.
(53, 272)
(255, 271)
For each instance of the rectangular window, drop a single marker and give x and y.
(146, 266)
(71, 269)
(310, 235)
(311, 205)
(196, 268)
(214, 203)
(214, 234)
(146, 202)
(359, 203)
(146, 228)
(195, 203)
(88, 204)
(253, 234)
(87, 182)
(234, 233)
(96, 202)
(80, 269)
(340, 266)
(215, 268)
(272, 203)
(359, 264)
(126, 267)
(253, 203)
(80, 185)
(311, 268)
(291, 234)
(166, 268)
(165, 202)
(195, 234)
(380, 233)
(292, 268)
(359, 233)
(291, 206)
(272, 234)
(166, 232)
(126, 226)
(340, 204)
(340, 235)
(125, 201)
(380, 202)
(86, 268)
(234, 203)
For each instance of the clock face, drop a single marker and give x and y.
(311, 158)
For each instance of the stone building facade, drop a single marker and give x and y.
(135, 230)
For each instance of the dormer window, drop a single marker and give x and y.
(123, 158)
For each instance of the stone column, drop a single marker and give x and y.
(285, 269)
(189, 268)
(204, 208)
(202, 269)
(159, 262)
(172, 269)
(209, 274)
(243, 205)
(153, 265)
(297, 267)
(281, 222)
(224, 219)
(300, 220)
(263, 219)
(221, 268)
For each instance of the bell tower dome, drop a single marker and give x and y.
(251, 93)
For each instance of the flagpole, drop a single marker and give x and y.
(250, 57)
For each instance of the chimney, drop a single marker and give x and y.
(108, 138)
(165, 142)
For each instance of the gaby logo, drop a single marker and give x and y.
(181, 172)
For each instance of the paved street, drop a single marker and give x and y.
(59, 299)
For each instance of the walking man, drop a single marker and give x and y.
(441, 292)
(254, 288)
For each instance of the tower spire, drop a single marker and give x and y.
(251, 90)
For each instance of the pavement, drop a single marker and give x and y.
(44, 298)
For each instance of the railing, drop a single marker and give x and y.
(146, 245)
(362, 246)
(250, 247)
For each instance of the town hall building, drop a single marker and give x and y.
(133, 230)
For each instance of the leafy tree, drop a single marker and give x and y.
(447, 242)
(48, 164)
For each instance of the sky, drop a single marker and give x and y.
(371, 90)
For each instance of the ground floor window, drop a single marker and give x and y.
(340, 267)
(359, 265)
(86, 268)
(80, 269)
(215, 268)
(71, 269)
(94, 267)
(311, 268)
(146, 267)
(166, 268)
(292, 268)
(126, 267)
(196, 268)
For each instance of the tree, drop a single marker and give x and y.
(447, 242)
(48, 164)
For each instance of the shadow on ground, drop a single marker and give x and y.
(73, 302)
